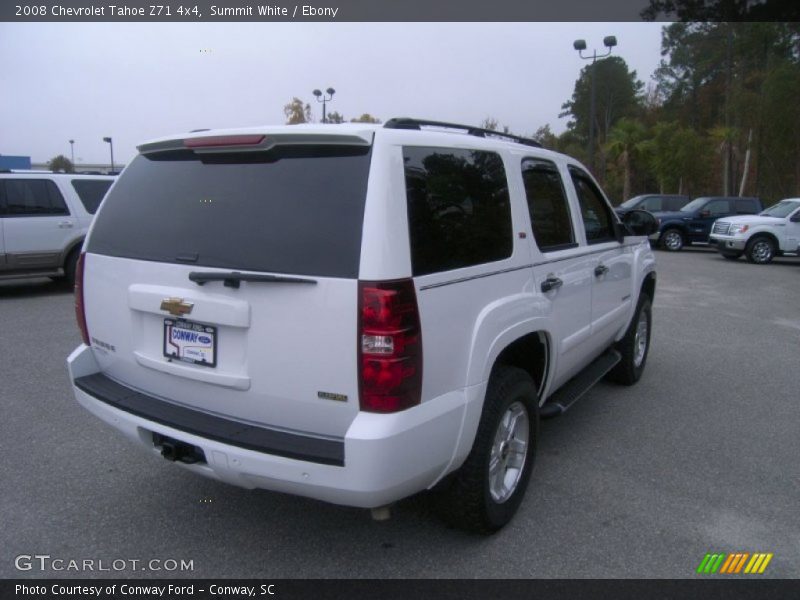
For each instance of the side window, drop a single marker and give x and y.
(653, 203)
(547, 205)
(718, 207)
(746, 206)
(33, 197)
(676, 204)
(597, 219)
(459, 211)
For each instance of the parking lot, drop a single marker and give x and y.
(701, 456)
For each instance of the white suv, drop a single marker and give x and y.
(44, 218)
(357, 313)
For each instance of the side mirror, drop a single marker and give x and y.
(640, 222)
(704, 213)
(795, 218)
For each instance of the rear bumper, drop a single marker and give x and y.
(725, 243)
(381, 459)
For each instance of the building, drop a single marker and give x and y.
(14, 162)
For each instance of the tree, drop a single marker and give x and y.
(365, 118)
(334, 117)
(625, 143)
(679, 158)
(492, 124)
(545, 136)
(297, 112)
(617, 93)
(61, 164)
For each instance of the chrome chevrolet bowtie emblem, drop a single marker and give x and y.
(176, 306)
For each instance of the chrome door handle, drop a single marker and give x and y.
(600, 269)
(65, 224)
(551, 283)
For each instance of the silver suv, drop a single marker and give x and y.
(357, 313)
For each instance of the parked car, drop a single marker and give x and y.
(356, 313)
(692, 223)
(653, 203)
(773, 232)
(44, 218)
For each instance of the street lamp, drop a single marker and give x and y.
(580, 45)
(111, 146)
(321, 98)
(72, 151)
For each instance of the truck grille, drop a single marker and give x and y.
(721, 227)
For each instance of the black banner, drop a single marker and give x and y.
(402, 589)
(188, 11)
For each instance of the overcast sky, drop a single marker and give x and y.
(132, 81)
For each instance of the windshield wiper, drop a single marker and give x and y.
(234, 278)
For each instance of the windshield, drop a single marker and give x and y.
(694, 205)
(632, 202)
(782, 209)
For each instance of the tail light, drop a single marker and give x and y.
(80, 309)
(390, 346)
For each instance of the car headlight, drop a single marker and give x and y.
(737, 229)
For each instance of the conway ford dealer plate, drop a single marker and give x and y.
(190, 342)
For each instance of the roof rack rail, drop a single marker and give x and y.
(409, 123)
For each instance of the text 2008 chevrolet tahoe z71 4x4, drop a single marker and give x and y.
(357, 313)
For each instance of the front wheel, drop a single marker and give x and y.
(635, 346)
(485, 493)
(760, 250)
(672, 240)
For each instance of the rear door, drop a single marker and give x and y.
(38, 225)
(612, 262)
(227, 281)
(562, 273)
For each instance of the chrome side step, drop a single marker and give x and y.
(576, 387)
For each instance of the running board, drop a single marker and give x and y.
(576, 387)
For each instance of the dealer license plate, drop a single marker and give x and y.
(190, 342)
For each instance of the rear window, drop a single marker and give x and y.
(91, 192)
(747, 206)
(459, 211)
(293, 209)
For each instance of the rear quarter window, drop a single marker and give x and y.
(91, 192)
(459, 210)
(293, 209)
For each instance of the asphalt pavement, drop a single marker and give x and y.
(703, 455)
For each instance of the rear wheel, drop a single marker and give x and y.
(635, 346)
(70, 265)
(485, 493)
(672, 240)
(760, 250)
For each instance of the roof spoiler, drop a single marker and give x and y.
(216, 144)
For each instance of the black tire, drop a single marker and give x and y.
(672, 240)
(465, 499)
(732, 256)
(760, 250)
(70, 266)
(628, 371)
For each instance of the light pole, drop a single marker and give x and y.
(321, 98)
(72, 151)
(111, 146)
(580, 45)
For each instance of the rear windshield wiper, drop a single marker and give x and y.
(234, 278)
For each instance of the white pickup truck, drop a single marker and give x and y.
(772, 232)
